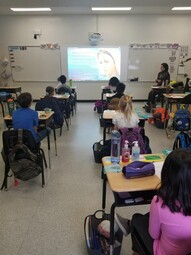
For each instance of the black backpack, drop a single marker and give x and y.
(24, 164)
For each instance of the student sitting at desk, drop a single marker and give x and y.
(167, 229)
(163, 79)
(53, 103)
(112, 84)
(125, 117)
(119, 91)
(62, 87)
(26, 118)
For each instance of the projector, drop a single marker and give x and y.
(95, 38)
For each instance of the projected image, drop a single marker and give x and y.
(92, 64)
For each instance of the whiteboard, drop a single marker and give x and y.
(144, 64)
(31, 63)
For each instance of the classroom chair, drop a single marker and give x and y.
(10, 139)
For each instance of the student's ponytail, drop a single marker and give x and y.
(125, 106)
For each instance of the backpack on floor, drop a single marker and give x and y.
(159, 117)
(100, 106)
(98, 244)
(24, 164)
(101, 150)
(131, 135)
(182, 119)
(182, 141)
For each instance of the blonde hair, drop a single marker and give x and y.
(125, 106)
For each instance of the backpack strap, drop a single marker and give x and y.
(20, 136)
(178, 106)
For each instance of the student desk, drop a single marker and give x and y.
(62, 97)
(108, 115)
(171, 99)
(105, 90)
(44, 120)
(12, 90)
(141, 190)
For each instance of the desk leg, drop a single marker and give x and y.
(104, 192)
(2, 107)
(55, 144)
(112, 213)
(104, 135)
(48, 141)
(102, 96)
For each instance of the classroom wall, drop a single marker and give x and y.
(117, 30)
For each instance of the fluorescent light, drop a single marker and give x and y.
(30, 9)
(181, 8)
(111, 8)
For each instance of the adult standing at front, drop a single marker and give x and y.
(163, 79)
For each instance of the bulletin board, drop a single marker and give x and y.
(144, 61)
(33, 63)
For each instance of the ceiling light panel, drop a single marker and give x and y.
(30, 9)
(111, 8)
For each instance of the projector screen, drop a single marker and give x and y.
(93, 64)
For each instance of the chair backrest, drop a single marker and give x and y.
(186, 87)
(10, 138)
(186, 99)
(63, 90)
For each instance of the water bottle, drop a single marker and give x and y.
(11, 106)
(70, 83)
(115, 147)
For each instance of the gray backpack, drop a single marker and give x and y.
(24, 164)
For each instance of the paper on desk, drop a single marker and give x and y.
(158, 168)
(113, 168)
(108, 114)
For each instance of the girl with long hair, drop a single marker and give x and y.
(125, 117)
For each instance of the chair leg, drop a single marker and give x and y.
(66, 122)
(42, 168)
(43, 181)
(44, 158)
(4, 184)
(60, 130)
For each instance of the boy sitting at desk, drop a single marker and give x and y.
(49, 101)
(26, 118)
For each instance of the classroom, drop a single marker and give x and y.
(36, 48)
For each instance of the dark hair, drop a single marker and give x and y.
(165, 65)
(49, 90)
(113, 81)
(62, 79)
(24, 100)
(175, 189)
(120, 87)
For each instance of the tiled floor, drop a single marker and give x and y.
(49, 220)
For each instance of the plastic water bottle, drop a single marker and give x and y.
(70, 83)
(11, 106)
(135, 151)
(115, 147)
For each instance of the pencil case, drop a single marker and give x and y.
(138, 169)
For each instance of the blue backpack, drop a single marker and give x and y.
(182, 141)
(182, 119)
